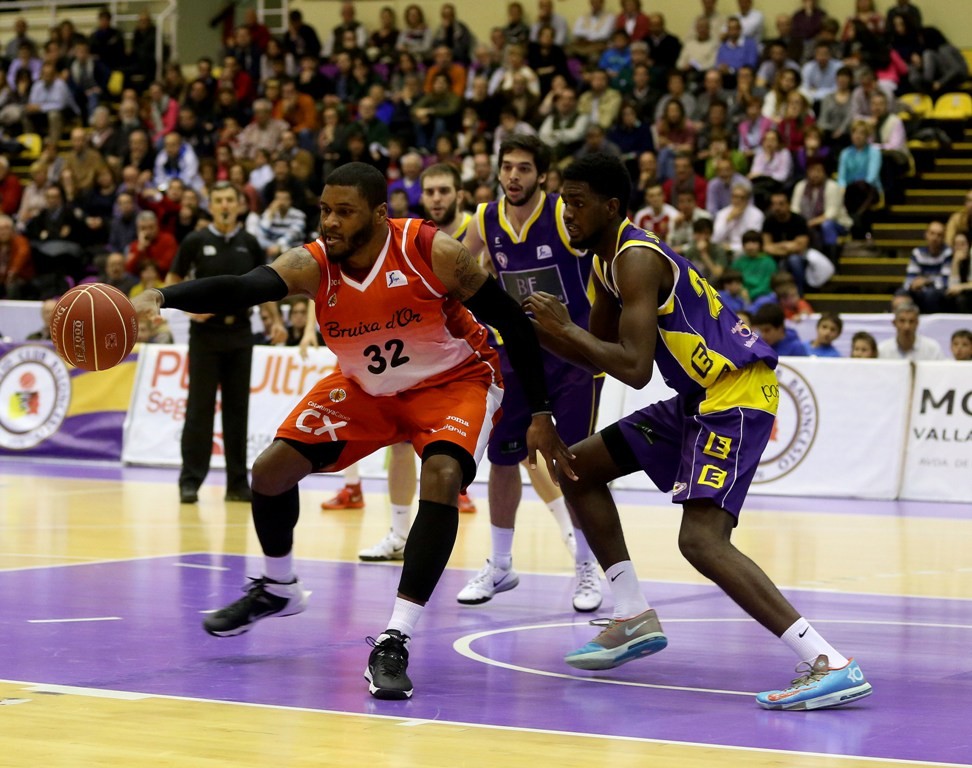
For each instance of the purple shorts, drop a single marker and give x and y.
(696, 452)
(574, 397)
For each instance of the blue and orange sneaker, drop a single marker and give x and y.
(620, 641)
(819, 686)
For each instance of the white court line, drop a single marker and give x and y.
(96, 693)
(202, 567)
(502, 728)
(74, 621)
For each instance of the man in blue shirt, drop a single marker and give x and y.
(736, 51)
(769, 323)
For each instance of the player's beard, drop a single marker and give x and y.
(449, 216)
(528, 193)
(351, 244)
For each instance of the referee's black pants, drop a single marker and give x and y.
(216, 360)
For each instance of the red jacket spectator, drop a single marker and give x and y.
(152, 244)
(16, 264)
(633, 21)
(695, 184)
(11, 189)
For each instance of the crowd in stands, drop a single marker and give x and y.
(755, 145)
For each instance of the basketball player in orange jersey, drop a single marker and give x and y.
(393, 301)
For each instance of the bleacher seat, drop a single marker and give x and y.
(953, 106)
(918, 105)
(33, 143)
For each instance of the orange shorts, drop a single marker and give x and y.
(337, 410)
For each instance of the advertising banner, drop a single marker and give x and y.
(939, 456)
(49, 409)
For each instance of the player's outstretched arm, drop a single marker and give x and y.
(468, 282)
(629, 355)
(293, 273)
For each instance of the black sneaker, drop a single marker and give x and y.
(386, 675)
(239, 494)
(188, 494)
(264, 598)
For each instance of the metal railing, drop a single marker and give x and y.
(124, 15)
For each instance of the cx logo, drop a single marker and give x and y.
(310, 415)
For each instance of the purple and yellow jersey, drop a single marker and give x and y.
(460, 233)
(700, 340)
(540, 258)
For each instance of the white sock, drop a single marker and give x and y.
(280, 568)
(558, 508)
(804, 641)
(502, 556)
(628, 598)
(584, 553)
(352, 475)
(401, 519)
(405, 616)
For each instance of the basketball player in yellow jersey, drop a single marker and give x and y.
(413, 364)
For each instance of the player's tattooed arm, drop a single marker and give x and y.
(299, 270)
(456, 267)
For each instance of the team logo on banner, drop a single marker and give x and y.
(35, 392)
(795, 430)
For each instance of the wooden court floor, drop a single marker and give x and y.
(894, 580)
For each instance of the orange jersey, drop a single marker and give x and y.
(397, 329)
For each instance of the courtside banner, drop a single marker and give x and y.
(48, 408)
(154, 426)
(840, 428)
(938, 464)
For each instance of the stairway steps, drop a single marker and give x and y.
(860, 266)
(840, 302)
(864, 284)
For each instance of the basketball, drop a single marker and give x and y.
(94, 327)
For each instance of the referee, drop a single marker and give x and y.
(220, 349)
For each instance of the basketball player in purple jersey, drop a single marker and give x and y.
(652, 307)
(522, 240)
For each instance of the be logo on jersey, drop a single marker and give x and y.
(795, 430)
(35, 393)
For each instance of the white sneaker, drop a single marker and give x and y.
(570, 541)
(392, 547)
(587, 593)
(487, 583)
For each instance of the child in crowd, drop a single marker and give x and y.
(732, 291)
(864, 345)
(829, 327)
(962, 344)
(769, 322)
(757, 268)
(785, 293)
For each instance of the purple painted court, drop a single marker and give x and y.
(498, 664)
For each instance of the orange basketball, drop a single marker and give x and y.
(94, 327)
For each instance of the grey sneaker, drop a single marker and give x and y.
(620, 641)
(489, 581)
(587, 591)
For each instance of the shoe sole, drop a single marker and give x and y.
(506, 587)
(381, 558)
(387, 694)
(590, 609)
(609, 659)
(337, 507)
(830, 700)
(293, 611)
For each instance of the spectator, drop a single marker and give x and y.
(943, 66)
(454, 34)
(151, 244)
(301, 39)
(769, 322)
(24, 60)
(732, 292)
(20, 38)
(866, 14)
(32, 197)
(11, 190)
(786, 237)
(751, 21)
(818, 200)
(719, 188)
(777, 61)
(443, 63)
(663, 48)
(47, 312)
(864, 345)
(161, 112)
(88, 78)
(820, 74)
(350, 32)
(859, 177)
(772, 165)
(738, 217)
(675, 91)
(297, 321)
(177, 160)
(49, 103)
(860, 100)
(736, 51)
(808, 21)
(154, 330)
(674, 135)
(717, 22)
(960, 221)
(592, 31)
(756, 267)
(410, 182)
(515, 64)
(83, 161)
(564, 130)
(262, 133)
(148, 277)
(752, 130)
(657, 216)
(436, 112)
(54, 235)
(114, 273)
(416, 37)
(797, 120)
(929, 269)
(712, 93)
(892, 140)
(907, 343)
(709, 258)
(680, 236)
(107, 43)
(297, 110)
(632, 20)
(829, 328)
(646, 175)
(280, 227)
(959, 291)
(16, 264)
(785, 82)
(547, 18)
(962, 344)
(835, 113)
(699, 52)
(903, 8)
(685, 179)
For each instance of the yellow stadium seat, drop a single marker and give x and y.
(953, 106)
(116, 83)
(916, 104)
(967, 53)
(33, 143)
